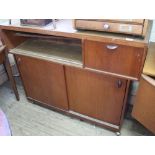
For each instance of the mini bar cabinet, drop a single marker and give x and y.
(81, 73)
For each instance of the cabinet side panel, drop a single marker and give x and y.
(144, 107)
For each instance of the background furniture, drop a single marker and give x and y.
(125, 26)
(5, 61)
(144, 107)
(149, 67)
(81, 74)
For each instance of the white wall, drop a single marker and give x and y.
(152, 38)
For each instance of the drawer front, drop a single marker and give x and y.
(134, 29)
(119, 59)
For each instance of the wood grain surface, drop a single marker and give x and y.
(43, 81)
(124, 60)
(144, 107)
(95, 95)
(149, 66)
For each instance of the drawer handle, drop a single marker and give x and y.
(106, 26)
(112, 47)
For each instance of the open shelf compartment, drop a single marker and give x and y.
(58, 51)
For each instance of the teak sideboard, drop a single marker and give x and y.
(84, 74)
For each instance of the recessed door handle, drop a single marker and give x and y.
(112, 47)
(119, 83)
(18, 60)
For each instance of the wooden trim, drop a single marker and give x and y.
(64, 68)
(145, 27)
(95, 120)
(112, 74)
(48, 106)
(143, 62)
(51, 60)
(83, 52)
(20, 75)
(147, 31)
(149, 79)
(125, 103)
(127, 21)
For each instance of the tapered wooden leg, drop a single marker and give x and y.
(11, 78)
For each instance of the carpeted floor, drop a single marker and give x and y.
(27, 119)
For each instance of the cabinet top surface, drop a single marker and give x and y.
(65, 28)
